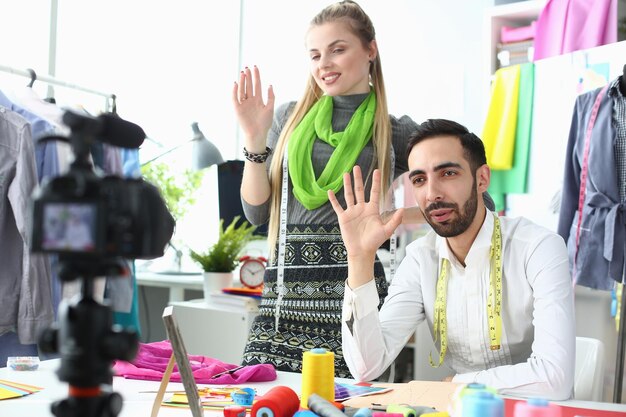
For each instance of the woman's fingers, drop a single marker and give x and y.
(248, 91)
(334, 202)
(375, 191)
(257, 87)
(347, 190)
(359, 192)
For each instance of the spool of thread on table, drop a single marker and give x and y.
(322, 407)
(536, 407)
(482, 404)
(318, 375)
(280, 401)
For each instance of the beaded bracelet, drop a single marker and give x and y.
(259, 158)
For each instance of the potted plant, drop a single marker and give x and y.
(221, 259)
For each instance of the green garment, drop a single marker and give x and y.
(515, 180)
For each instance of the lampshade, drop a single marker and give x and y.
(204, 153)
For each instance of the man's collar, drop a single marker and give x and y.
(483, 240)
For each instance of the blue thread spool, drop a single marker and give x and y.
(243, 396)
(536, 407)
(363, 412)
(482, 404)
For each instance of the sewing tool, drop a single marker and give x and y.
(318, 375)
(280, 401)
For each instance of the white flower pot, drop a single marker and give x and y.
(216, 281)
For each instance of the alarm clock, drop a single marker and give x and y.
(252, 271)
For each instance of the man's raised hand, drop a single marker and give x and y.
(362, 228)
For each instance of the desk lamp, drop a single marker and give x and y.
(204, 154)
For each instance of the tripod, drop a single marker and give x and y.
(88, 342)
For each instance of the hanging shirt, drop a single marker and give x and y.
(25, 294)
(602, 243)
(537, 351)
(619, 121)
(45, 153)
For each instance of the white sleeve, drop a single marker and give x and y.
(373, 339)
(549, 372)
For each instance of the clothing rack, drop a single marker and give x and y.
(109, 105)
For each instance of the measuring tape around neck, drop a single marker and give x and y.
(494, 301)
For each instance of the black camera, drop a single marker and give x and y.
(83, 215)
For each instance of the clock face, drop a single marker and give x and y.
(251, 273)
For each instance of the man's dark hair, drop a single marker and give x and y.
(473, 148)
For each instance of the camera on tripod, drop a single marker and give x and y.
(94, 224)
(86, 216)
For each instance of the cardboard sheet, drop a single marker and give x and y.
(416, 393)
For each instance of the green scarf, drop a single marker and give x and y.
(311, 192)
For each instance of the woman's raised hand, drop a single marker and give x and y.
(254, 116)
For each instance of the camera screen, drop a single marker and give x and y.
(69, 227)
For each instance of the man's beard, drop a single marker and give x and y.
(454, 227)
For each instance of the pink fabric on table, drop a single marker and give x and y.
(152, 359)
(572, 25)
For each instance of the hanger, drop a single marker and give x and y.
(33, 76)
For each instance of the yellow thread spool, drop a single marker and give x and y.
(318, 375)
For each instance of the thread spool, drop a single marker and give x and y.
(456, 405)
(305, 413)
(363, 412)
(386, 414)
(280, 401)
(234, 411)
(318, 375)
(406, 411)
(482, 404)
(322, 407)
(536, 407)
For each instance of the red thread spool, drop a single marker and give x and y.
(280, 401)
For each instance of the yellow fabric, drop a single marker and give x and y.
(501, 122)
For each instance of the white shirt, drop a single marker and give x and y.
(537, 354)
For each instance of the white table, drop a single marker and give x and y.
(138, 402)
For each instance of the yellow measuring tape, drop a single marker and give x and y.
(494, 302)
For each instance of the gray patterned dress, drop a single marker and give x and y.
(315, 259)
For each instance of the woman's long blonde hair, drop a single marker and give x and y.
(361, 25)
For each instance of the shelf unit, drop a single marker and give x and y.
(517, 14)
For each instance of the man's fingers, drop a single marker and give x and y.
(393, 223)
